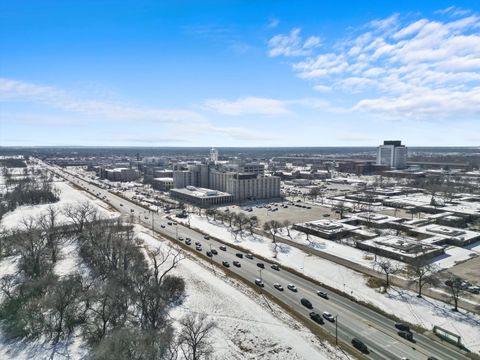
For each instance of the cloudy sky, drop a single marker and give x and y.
(239, 73)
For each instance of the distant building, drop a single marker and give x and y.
(163, 184)
(119, 174)
(213, 155)
(393, 154)
(201, 197)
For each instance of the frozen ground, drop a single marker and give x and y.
(246, 328)
(402, 303)
(68, 196)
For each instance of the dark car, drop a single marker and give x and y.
(206, 237)
(275, 267)
(406, 335)
(214, 252)
(316, 317)
(306, 303)
(223, 248)
(188, 242)
(322, 294)
(226, 263)
(432, 358)
(402, 327)
(239, 255)
(237, 263)
(180, 238)
(358, 344)
(209, 254)
(261, 265)
(162, 226)
(249, 256)
(169, 223)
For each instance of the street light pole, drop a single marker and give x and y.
(336, 329)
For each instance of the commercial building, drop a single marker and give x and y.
(163, 184)
(119, 174)
(201, 197)
(393, 154)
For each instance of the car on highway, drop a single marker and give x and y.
(237, 263)
(180, 238)
(259, 282)
(121, 204)
(322, 294)
(358, 344)
(188, 242)
(162, 226)
(406, 335)
(402, 327)
(239, 255)
(198, 247)
(278, 286)
(214, 252)
(169, 223)
(316, 317)
(132, 210)
(209, 254)
(306, 303)
(226, 263)
(261, 265)
(292, 287)
(275, 267)
(187, 238)
(328, 316)
(206, 237)
(432, 358)
(249, 256)
(223, 248)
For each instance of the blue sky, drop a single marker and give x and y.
(239, 73)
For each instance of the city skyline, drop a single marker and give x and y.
(220, 74)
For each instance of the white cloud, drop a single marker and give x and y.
(292, 44)
(14, 90)
(273, 23)
(412, 65)
(248, 105)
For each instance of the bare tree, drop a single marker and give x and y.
(314, 192)
(423, 274)
(194, 336)
(273, 227)
(341, 208)
(454, 284)
(240, 220)
(388, 268)
(287, 224)
(80, 214)
(48, 223)
(252, 223)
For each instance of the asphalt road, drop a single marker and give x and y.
(353, 319)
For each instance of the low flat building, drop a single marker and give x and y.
(327, 229)
(201, 197)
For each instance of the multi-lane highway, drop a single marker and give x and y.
(353, 320)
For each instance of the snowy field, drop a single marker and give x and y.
(402, 303)
(68, 196)
(246, 328)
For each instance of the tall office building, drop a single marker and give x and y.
(213, 155)
(393, 154)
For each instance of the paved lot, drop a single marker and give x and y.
(469, 270)
(292, 213)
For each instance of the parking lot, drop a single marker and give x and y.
(293, 213)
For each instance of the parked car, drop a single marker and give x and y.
(306, 303)
(169, 223)
(249, 256)
(259, 282)
(292, 287)
(239, 255)
(275, 267)
(328, 316)
(278, 286)
(223, 248)
(322, 294)
(358, 344)
(237, 263)
(261, 265)
(316, 317)
(226, 263)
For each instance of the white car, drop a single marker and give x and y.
(328, 316)
(292, 287)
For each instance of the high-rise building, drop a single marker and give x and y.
(213, 155)
(393, 154)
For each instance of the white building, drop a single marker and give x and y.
(213, 155)
(393, 154)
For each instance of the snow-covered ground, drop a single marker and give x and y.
(246, 328)
(68, 196)
(404, 304)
